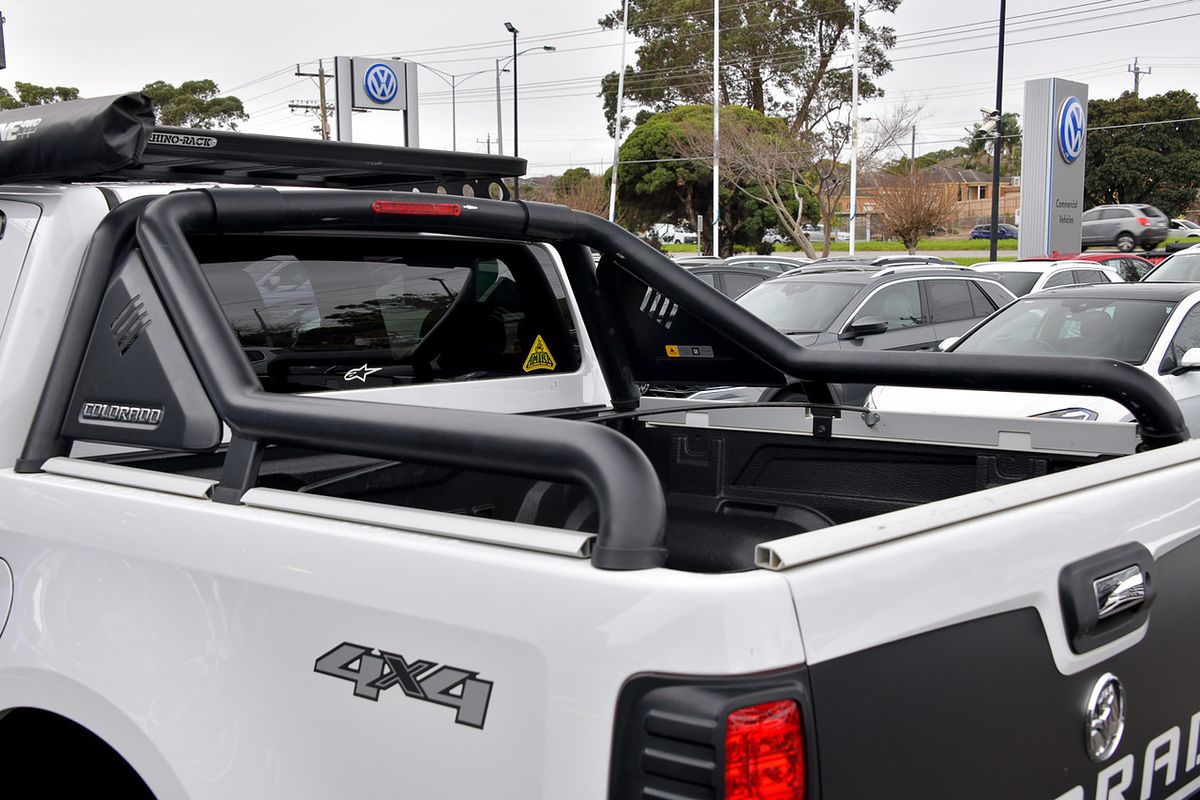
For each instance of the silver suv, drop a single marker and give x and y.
(1125, 227)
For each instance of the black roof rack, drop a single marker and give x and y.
(114, 138)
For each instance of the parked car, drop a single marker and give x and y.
(698, 261)
(886, 261)
(1003, 231)
(731, 280)
(772, 263)
(1131, 268)
(1126, 227)
(668, 233)
(1155, 327)
(1185, 228)
(775, 236)
(850, 308)
(1183, 266)
(1023, 277)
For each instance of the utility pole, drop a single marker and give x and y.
(912, 157)
(487, 141)
(321, 106)
(612, 189)
(1137, 74)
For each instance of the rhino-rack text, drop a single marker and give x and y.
(20, 129)
(372, 672)
(112, 412)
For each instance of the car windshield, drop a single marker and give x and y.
(798, 306)
(1179, 268)
(1083, 326)
(1018, 283)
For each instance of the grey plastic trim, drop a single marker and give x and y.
(807, 548)
(182, 485)
(432, 523)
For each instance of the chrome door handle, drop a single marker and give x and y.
(1119, 591)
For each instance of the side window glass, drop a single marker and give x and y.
(1090, 216)
(1087, 276)
(949, 300)
(736, 283)
(1063, 278)
(391, 313)
(706, 277)
(899, 304)
(980, 302)
(1187, 337)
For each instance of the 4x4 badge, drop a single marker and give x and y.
(372, 672)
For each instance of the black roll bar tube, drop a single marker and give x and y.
(1154, 408)
(1157, 413)
(620, 476)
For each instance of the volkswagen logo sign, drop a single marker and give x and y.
(1104, 718)
(381, 84)
(1071, 129)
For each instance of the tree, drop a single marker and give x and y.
(792, 171)
(979, 143)
(194, 104)
(910, 206)
(1157, 164)
(30, 94)
(576, 188)
(661, 180)
(776, 56)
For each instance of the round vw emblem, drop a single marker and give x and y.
(381, 83)
(1105, 717)
(1071, 129)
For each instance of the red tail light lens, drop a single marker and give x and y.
(1143, 221)
(417, 209)
(764, 752)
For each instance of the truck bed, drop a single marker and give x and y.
(726, 490)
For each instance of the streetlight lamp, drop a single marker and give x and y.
(501, 66)
(452, 81)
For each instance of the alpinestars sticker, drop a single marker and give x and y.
(374, 671)
(539, 356)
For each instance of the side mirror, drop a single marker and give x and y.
(864, 326)
(1190, 360)
(946, 344)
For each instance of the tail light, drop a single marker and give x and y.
(764, 752)
(1143, 221)
(737, 738)
(416, 209)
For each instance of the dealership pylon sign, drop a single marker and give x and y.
(376, 84)
(1052, 159)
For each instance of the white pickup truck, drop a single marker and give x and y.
(319, 487)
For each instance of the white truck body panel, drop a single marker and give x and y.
(193, 634)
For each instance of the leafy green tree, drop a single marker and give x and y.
(978, 144)
(571, 178)
(1155, 164)
(777, 56)
(30, 94)
(194, 104)
(660, 181)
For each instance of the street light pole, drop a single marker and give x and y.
(998, 142)
(500, 67)
(452, 81)
(854, 142)
(516, 151)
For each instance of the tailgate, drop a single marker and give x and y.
(951, 657)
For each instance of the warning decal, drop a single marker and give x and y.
(539, 356)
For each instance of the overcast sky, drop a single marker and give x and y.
(945, 59)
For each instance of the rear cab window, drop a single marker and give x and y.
(319, 314)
